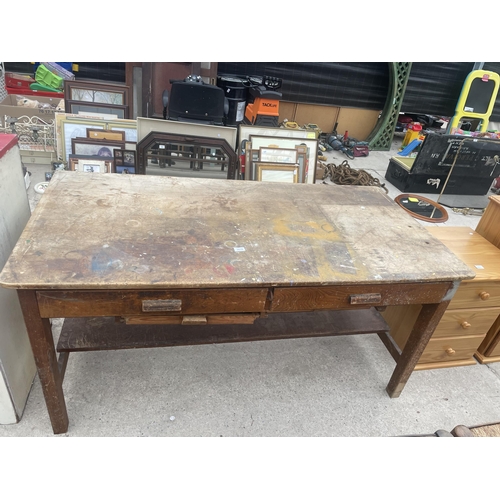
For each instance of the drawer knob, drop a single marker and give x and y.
(465, 325)
(484, 295)
(450, 351)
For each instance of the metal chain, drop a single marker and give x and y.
(469, 211)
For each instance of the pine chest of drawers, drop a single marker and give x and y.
(472, 311)
(489, 228)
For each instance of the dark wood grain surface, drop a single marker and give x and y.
(89, 334)
(92, 231)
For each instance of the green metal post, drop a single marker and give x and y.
(381, 137)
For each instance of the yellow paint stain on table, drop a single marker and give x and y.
(323, 231)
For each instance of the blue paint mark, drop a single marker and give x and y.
(100, 262)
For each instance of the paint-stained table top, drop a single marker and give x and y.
(92, 231)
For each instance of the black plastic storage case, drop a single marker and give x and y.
(473, 174)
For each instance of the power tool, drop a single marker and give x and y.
(263, 102)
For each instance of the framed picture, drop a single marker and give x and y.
(243, 169)
(301, 153)
(90, 164)
(130, 129)
(302, 161)
(70, 126)
(253, 157)
(278, 155)
(274, 141)
(109, 135)
(95, 147)
(69, 129)
(114, 112)
(123, 169)
(81, 96)
(245, 131)
(277, 172)
(125, 158)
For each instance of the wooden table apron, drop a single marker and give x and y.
(104, 245)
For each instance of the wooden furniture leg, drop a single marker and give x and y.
(427, 320)
(42, 344)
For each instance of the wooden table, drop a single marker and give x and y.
(218, 261)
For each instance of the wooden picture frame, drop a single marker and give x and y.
(81, 96)
(278, 155)
(246, 131)
(95, 147)
(72, 126)
(98, 163)
(126, 158)
(109, 135)
(302, 161)
(129, 127)
(248, 164)
(68, 129)
(123, 169)
(254, 158)
(284, 142)
(277, 172)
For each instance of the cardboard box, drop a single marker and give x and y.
(9, 107)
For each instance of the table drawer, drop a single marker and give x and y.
(450, 348)
(70, 304)
(355, 296)
(468, 322)
(473, 294)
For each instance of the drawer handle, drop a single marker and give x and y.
(161, 305)
(484, 295)
(194, 320)
(465, 325)
(366, 298)
(450, 351)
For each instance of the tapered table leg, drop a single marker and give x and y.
(42, 344)
(424, 327)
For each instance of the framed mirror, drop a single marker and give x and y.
(177, 155)
(422, 208)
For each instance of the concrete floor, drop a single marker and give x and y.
(306, 387)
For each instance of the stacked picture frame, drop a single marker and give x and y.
(278, 155)
(81, 96)
(277, 159)
(95, 145)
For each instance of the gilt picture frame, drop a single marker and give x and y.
(109, 135)
(277, 172)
